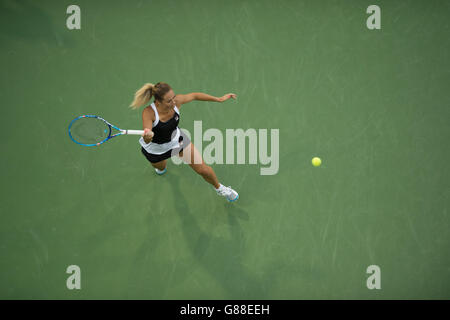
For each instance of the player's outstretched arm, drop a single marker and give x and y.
(206, 97)
(199, 96)
(227, 96)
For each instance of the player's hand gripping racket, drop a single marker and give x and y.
(90, 130)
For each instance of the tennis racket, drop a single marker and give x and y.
(91, 131)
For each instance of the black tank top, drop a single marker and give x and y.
(163, 130)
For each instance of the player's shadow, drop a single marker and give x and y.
(148, 263)
(223, 258)
(235, 213)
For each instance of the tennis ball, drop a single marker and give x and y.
(316, 161)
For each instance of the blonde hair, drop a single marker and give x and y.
(148, 90)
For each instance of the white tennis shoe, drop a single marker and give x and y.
(228, 193)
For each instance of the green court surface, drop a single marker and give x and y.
(372, 104)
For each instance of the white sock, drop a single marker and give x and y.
(220, 187)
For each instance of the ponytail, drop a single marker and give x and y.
(142, 96)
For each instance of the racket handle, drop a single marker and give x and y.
(134, 132)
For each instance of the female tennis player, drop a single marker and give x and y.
(162, 138)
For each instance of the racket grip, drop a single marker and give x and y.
(134, 132)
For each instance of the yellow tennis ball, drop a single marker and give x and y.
(316, 161)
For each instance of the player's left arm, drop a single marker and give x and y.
(186, 98)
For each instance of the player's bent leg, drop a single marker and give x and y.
(191, 156)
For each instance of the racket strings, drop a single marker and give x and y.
(90, 130)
